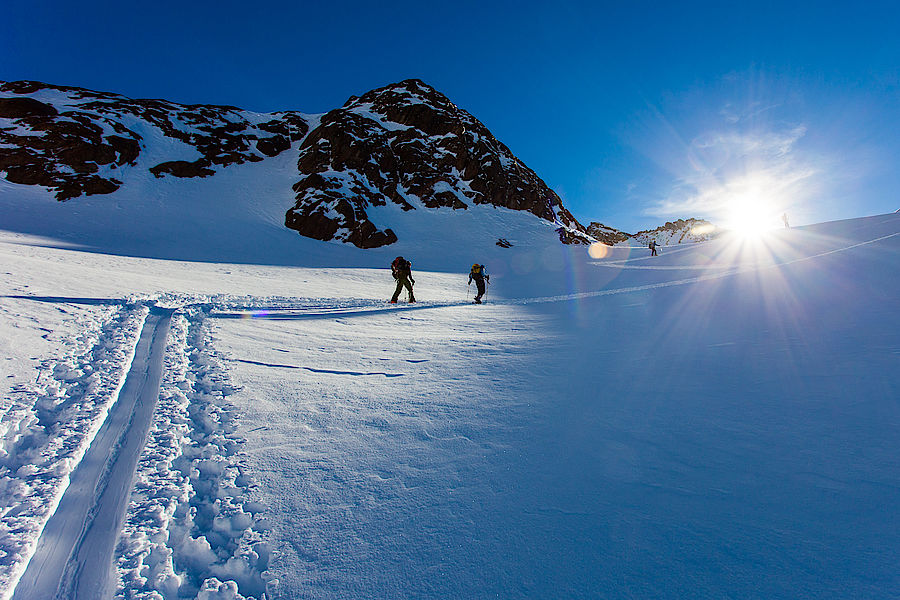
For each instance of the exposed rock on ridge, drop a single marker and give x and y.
(679, 232)
(409, 145)
(606, 234)
(76, 141)
(673, 232)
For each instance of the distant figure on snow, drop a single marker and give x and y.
(784, 218)
(401, 269)
(479, 275)
(653, 248)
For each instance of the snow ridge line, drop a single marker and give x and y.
(47, 429)
(191, 529)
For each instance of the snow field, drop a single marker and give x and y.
(599, 430)
(369, 433)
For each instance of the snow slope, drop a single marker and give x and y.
(717, 421)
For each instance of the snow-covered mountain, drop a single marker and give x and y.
(673, 232)
(78, 142)
(382, 168)
(680, 231)
(405, 145)
(409, 145)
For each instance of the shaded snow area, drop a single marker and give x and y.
(718, 421)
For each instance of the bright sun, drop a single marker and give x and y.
(751, 206)
(751, 214)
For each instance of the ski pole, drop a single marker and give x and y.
(468, 287)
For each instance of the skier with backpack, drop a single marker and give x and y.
(479, 275)
(401, 269)
(653, 248)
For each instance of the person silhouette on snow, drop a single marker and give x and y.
(479, 275)
(785, 219)
(652, 246)
(401, 269)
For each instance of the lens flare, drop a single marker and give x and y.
(598, 250)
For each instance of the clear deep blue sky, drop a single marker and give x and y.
(634, 112)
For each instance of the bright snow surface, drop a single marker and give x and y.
(719, 421)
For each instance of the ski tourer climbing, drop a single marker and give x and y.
(653, 248)
(401, 269)
(479, 276)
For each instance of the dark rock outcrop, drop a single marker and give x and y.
(409, 145)
(17, 108)
(73, 146)
(606, 234)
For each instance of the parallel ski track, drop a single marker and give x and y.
(74, 554)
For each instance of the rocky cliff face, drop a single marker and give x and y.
(79, 142)
(404, 144)
(409, 145)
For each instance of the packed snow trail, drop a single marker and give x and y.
(74, 554)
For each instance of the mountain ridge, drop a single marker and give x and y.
(678, 232)
(404, 144)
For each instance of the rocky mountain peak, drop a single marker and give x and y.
(409, 145)
(78, 142)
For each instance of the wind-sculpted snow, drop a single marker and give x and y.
(191, 530)
(47, 426)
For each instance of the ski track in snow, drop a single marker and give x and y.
(47, 427)
(189, 527)
(73, 558)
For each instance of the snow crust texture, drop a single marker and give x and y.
(190, 530)
(716, 421)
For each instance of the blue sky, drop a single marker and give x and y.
(634, 112)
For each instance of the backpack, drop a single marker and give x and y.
(476, 269)
(400, 265)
